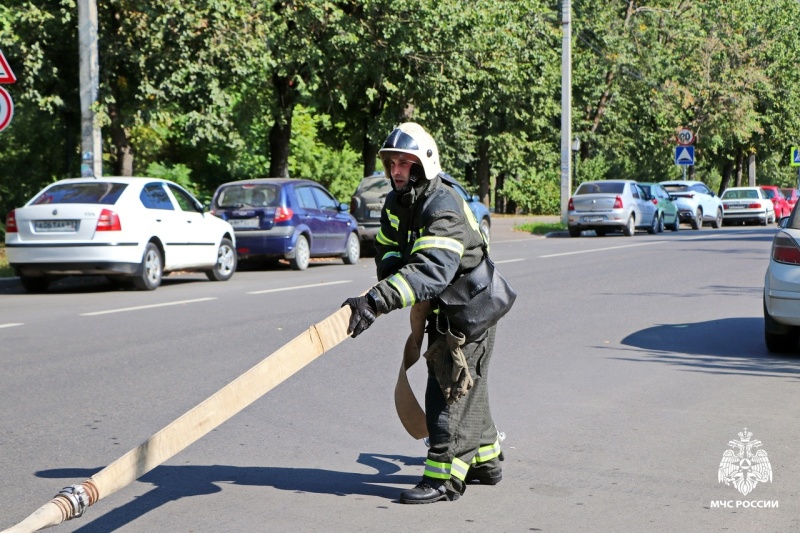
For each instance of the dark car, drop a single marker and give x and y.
(367, 202)
(282, 218)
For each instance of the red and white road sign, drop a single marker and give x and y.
(685, 137)
(6, 109)
(6, 76)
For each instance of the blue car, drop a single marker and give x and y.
(282, 218)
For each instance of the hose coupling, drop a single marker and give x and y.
(77, 497)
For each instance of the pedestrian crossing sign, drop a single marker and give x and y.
(795, 156)
(684, 155)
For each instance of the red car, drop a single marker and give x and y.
(782, 206)
(792, 195)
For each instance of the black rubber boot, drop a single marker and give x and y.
(428, 491)
(484, 476)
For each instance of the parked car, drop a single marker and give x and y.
(610, 205)
(666, 210)
(367, 202)
(135, 229)
(782, 287)
(782, 207)
(697, 204)
(282, 218)
(745, 205)
(792, 195)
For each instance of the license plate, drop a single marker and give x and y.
(244, 223)
(593, 219)
(55, 226)
(734, 207)
(374, 214)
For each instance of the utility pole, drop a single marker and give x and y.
(91, 139)
(566, 106)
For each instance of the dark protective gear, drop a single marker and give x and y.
(489, 477)
(463, 436)
(450, 366)
(421, 249)
(429, 237)
(428, 491)
(365, 311)
(411, 138)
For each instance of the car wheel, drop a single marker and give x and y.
(677, 224)
(717, 222)
(226, 262)
(653, 228)
(661, 224)
(697, 221)
(152, 268)
(485, 229)
(778, 337)
(630, 227)
(574, 232)
(302, 253)
(35, 283)
(352, 250)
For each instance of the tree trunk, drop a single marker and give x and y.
(739, 166)
(727, 173)
(123, 151)
(751, 170)
(499, 199)
(369, 152)
(482, 172)
(281, 133)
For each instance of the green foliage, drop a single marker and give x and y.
(337, 170)
(209, 91)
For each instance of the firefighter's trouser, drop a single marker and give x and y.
(463, 434)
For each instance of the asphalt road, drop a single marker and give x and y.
(619, 378)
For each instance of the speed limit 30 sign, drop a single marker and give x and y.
(685, 137)
(6, 109)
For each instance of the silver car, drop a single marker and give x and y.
(782, 287)
(697, 204)
(611, 205)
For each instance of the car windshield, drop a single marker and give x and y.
(99, 192)
(601, 187)
(376, 185)
(732, 195)
(676, 188)
(769, 193)
(248, 195)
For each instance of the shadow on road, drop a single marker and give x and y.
(175, 482)
(725, 346)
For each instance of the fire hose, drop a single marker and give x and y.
(71, 502)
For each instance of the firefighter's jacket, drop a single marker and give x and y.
(422, 248)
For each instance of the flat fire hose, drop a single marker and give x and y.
(411, 414)
(72, 501)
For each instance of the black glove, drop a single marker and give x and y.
(364, 314)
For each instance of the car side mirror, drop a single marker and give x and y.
(783, 222)
(475, 198)
(343, 207)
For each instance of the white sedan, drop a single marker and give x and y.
(746, 204)
(128, 229)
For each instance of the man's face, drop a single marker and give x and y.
(400, 169)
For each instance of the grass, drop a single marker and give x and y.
(541, 228)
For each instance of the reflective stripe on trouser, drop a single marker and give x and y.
(461, 434)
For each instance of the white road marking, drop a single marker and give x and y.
(601, 249)
(507, 261)
(166, 304)
(10, 325)
(302, 286)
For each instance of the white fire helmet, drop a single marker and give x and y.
(411, 138)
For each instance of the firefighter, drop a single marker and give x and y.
(428, 237)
